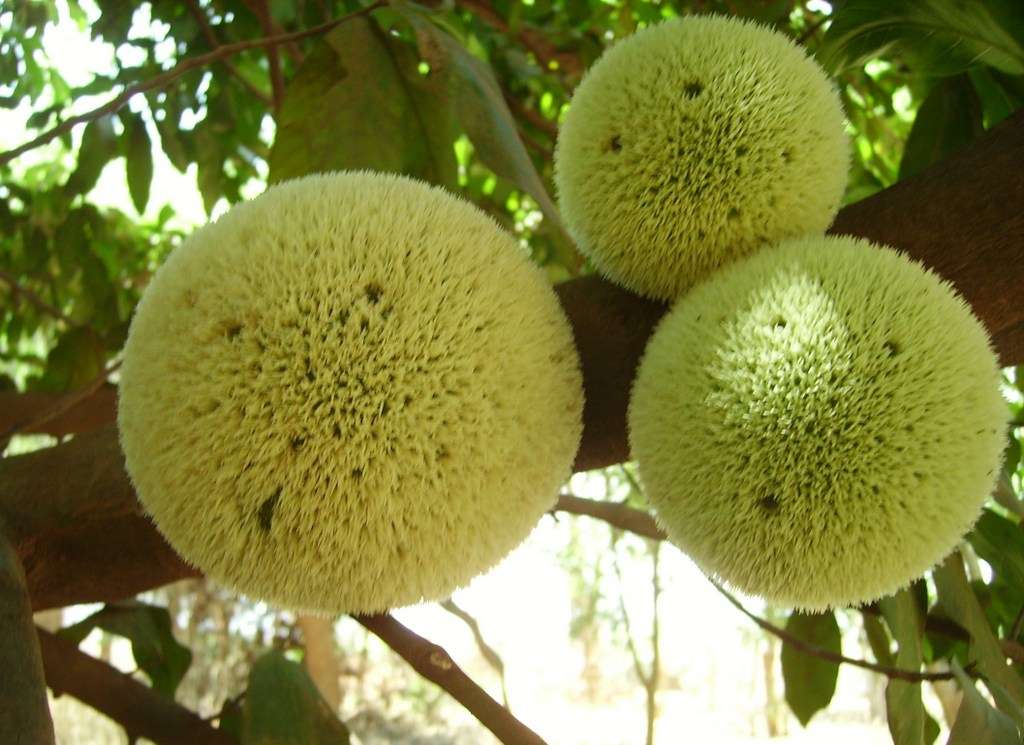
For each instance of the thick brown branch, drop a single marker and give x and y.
(24, 713)
(136, 707)
(434, 664)
(173, 74)
(26, 412)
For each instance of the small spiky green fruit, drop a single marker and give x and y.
(352, 393)
(819, 423)
(693, 142)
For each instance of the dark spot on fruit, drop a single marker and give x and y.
(615, 144)
(891, 348)
(297, 442)
(357, 473)
(234, 330)
(779, 323)
(265, 515)
(733, 213)
(769, 503)
(693, 89)
(742, 150)
(373, 292)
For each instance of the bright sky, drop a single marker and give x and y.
(523, 605)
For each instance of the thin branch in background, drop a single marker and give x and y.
(434, 664)
(532, 116)
(24, 713)
(486, 650)
(176, 72)
(812, 29)
(138, 708)
(63, 404)
(618, 515)
(32, 298)
(261, 9)
(211, 38)
(912, 676)
(1018, 622)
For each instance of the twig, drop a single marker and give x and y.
(486, 650)
(24, 715)
(211, 38)
(1017, 623)
(11, 281)
(535, 118)
(912, 676)
(176, 72)
(810, 30)
(625, 518)
(434, 664)
(261, 9)
(532, 39)
(138, 708)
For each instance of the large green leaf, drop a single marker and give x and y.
(99, 146)
(138, 152)
(961, 605)
(479, 106)
(949, 119)
(941, 37)
(810, 681)
(977, 723)
(904, 709)
(283, 707)
(76, 360)
(359, 102)
(148, 628)
(1000, 542)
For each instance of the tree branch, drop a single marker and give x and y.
(800, 645)
(176, 72)
(136, 707)
(211, 38)
(261, 9)
(24, 712)
(486, 650)
(434, 664)
(617, 515)
(32, 298)
(25, 412)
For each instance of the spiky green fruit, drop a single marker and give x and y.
(349, 394)
(693, 142)
(819, 423)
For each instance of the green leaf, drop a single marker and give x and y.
(99, 145)
(942, 37)
(359, 102)
(878, 639)
(961, 605)
(479, 106)
(948, 120)
(138, 159)
(904, 710)
(76, 360)
(283, 707)
(999, 96)
(810, 681)
(1000, 542)
(148, 628)
(977, 723)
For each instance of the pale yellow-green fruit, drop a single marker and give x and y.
(694, 142)
(354, 392)
(820, 423)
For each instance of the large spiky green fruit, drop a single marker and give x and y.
(693, 142)
(349, 394)
(820, 423)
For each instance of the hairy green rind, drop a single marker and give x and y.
(819, 423)
(693, 142)
(352, 393)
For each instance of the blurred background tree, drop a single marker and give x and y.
(123, 127)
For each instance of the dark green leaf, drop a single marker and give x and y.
(904, 709)
(810, 681)
(977, 723)
(480, 107)
(283, 707)
(148, 628)
(949, 119)
(138, 160)
(961, 605)
(999, 97)
(941, 36)
(358, 102)
(878, 639)
(99, 145)
(1000, 542)
(76, 359)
